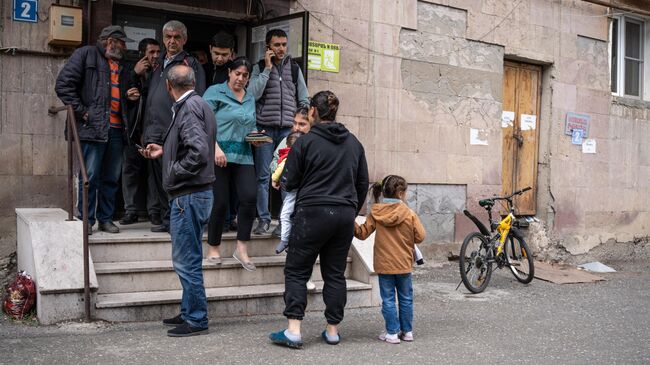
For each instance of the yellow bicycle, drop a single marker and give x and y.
(502, 245)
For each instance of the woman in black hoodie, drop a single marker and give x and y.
(328, 169)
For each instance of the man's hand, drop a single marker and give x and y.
(276, 185)
(152, 151)
(219, 157)
(267, 59)
(142, 66)
(133, 94)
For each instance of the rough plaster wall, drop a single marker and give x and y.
(33, 151)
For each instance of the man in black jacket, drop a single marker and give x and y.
(96, 83)
(222, 51)
(188, 173)
(158, 108)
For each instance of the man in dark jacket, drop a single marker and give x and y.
(222, 51)
(158, 108)
(188, 173)
(96, 83)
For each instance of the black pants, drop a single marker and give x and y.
(324, 230)
(136, 180)
(243, 176)
(163, 198)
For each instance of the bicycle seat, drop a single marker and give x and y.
(486, 203)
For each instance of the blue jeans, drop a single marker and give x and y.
(263, 158)
(401, 283)
(104, 165)
(189, 214)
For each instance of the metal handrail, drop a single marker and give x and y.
(74, 148)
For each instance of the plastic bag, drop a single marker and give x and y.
(21, 296)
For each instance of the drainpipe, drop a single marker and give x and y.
(619, 7)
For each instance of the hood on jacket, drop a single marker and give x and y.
(390, 214)
(333, 132)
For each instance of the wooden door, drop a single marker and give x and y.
(520, 131)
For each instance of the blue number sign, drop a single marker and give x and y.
(25, 11)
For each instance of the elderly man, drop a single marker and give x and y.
(187, 154)
(158, 108)
(95, 82)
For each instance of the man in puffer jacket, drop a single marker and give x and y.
(95, 81)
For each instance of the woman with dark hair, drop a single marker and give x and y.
(234, 109)
(328, 169)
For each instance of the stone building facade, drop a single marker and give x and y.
(422, 85)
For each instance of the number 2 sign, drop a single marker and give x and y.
(25, 11)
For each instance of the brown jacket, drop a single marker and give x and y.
(398, 230)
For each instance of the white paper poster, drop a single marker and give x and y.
(589, 146)
(507, 119)
(528, 122)
(478, 137)
(138, 34)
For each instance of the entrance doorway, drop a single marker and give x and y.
(520, 132)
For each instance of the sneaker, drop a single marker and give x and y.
(175, 321)
(155, 219)
(109, 227)
(262, 227)
(160, 228)
(394, 338)
(406, 336)
(186, 330)
(279, 338)
(311, 285)
(277, 232)
(129, 218)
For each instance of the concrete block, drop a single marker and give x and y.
(12, 113)
(318, 6)
(354, 66)
(386, 134)
(440, 199)
(464, 169)
(410, 14)
(367, 133)
(427, 137)
(358, 10)
(34, 82)
(442, 20)
(50, 155)
(355, 95)
(454, 140)
(545, 13)
(564, 95)
(355, 31)
(16, 156)
(320, 27)
(385, 38)
(413, 110)
(386, 72)
(37, 121)
(11, 73)
(423, 167)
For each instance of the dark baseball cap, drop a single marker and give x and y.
(115, 31)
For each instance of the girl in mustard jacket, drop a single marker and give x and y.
(398, 230)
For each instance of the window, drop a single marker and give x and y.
(628, 45)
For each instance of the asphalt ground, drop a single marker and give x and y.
(542, 323)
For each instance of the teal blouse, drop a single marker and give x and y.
(234, 121)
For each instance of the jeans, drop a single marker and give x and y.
(288, 205)
(318, 230)
(401, 283)
(103, 164)
(189, 214)
(263, 158)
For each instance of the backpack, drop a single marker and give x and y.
(295, 69)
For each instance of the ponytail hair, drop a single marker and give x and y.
(389, 187)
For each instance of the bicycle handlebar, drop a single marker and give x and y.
(509, 197)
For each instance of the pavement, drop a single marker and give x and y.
(542, 323)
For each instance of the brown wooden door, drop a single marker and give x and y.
(520, 130)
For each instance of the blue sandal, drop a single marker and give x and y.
(324, 335)
(279, 338)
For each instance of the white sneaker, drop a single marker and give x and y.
(394, 339)
(406, 336)
(311, 285)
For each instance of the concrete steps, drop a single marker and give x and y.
(222, 302)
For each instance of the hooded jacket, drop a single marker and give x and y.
(327, 166)
(398, 230)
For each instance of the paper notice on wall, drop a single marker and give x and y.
(507, 119)
(528, 122)
(478, 137)
(138, 34)
(589, 146)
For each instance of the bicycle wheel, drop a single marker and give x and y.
(475, 268)
(519, 259)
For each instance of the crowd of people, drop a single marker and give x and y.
(209, 140)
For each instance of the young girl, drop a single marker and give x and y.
(398, 230)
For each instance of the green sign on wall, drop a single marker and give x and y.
(323, 56)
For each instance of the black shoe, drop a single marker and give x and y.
(186, 330)
(155, 219)
(262, 227)
(160, 228)
(176, 321)
(277, 232)
(129, 218)
(233, 227)
(109, 227)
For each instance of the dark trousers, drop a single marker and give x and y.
(318, 230)
(163, 198)
(135, 182)
(243, 176)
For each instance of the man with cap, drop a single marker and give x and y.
(95, 81)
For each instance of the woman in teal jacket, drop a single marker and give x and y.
(234, 109)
